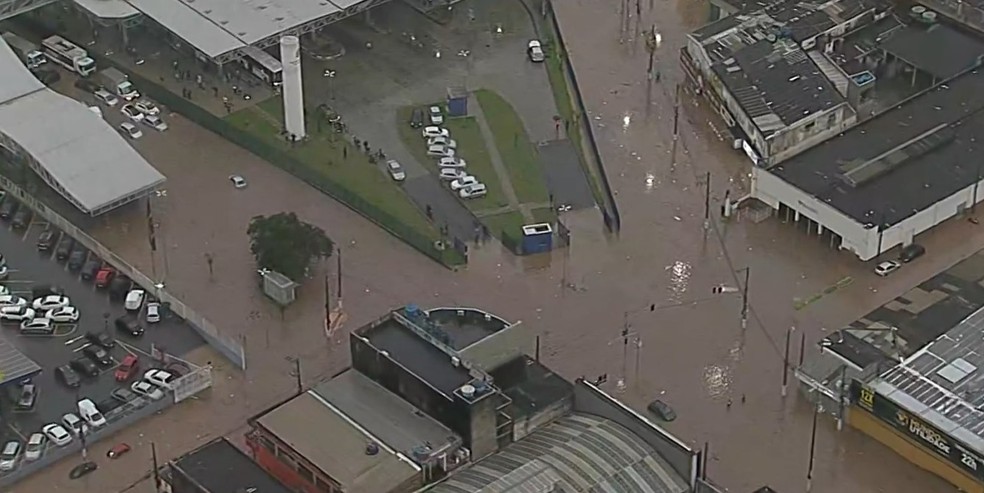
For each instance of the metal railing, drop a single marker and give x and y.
(229, 347)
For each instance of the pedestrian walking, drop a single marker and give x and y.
(742, 398)
(345, 152)
(728, 405)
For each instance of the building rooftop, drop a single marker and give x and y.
(920, 45)
(900, 162)
(920, 316)
(943, 383)
(578, 452)
(386, 416)
(465, 326)
(92, 165)
(220, 467)
(530, 386)
(337, 445)
(850, 53)
(14, 365)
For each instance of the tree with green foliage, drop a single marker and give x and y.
(285, 244)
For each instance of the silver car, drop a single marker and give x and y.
(10, 455)
(395, 170)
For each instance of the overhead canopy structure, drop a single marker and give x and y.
(14, 365)
(71, 148)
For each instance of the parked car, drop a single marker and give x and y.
(91, 414)
(9, 300)
(417, 118)
(155, 122)
(912, 252)
(451, 162)
(885, 268)
(132, 113)
(64, 315)
(27, 397)
(430, 132)
(128, 367)
(21, 218)
(57, 434)
(395, 170)
(473, 191)
(147, 107)
(535, 51)
(662, 410)
(153, 312)
(85, 366)
(108, 405)
(160, 378)
(119, 287)
(104, 276)
(10, 456)
(50, 302)
(74, 424)
(37, 327)
(98, 355)
(76, 259)
(440, 151)
(130, 325)
(90, 268)
(452, 174)
(35, 447)
(238, 181)
(46, 240)
(443, 141)
(436, 117)
(9, 207)
(463, 182)
(17, 313)
(67, 376)
(64, 247)
(123, 394)
(134, 299)
(105, 97)
(130, 130)
(101, 339)
(146, 389)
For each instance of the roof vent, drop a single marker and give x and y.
(918, 9)
(929, 17)
(467, 391)
(372, 448)
(455, 361)
(461, 313)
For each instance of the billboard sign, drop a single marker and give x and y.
(918, 430)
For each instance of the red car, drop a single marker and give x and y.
(127, 368)
(105, 276)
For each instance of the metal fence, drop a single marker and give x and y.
(229, 347)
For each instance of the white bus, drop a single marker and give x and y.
(69, 55)
(263, 65)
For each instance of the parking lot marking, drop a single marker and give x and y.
(74, 340)
(17, 431)
(80, 348)
(31, 224)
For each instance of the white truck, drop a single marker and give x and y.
(29, 53)
(69, 55)
(117, 83)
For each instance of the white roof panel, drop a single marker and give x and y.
(108, 9)
(208, 35)
(78, 149)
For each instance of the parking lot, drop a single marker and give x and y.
(30, 268)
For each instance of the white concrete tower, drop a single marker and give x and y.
(290, 58)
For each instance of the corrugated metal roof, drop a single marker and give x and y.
(14, 365)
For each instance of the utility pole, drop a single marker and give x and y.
(157, 468)
(651, 45)
(881, 229)
(676, 126)
(813, 447)
(802, 348)
(327, 305)
(842, 398)
(707, 201)
(339, 259)
(744, 298)
(785, 361)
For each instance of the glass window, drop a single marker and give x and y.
(305, 473)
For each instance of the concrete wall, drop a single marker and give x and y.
(530, 423)
(501, 347)
(591, 400)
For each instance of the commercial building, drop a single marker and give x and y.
(449, 399)
(218, 467)
(75, 151)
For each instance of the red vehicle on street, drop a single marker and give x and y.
(105, 276)
(127, 368)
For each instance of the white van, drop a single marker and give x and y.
(90, 413)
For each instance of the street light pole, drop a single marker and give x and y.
(785, 361)
(744, 298)
(813, 447)
(707, 201)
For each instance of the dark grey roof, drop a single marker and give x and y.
(531, 386)
(579, 452)
(776, 84)
(718, 26)
(914, 156)
(222, 468)
(417, 355)
(14, 365)
(940, 50)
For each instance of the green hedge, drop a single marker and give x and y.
(448, 257)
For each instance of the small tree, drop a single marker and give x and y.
(285, 244)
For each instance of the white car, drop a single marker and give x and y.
(146, 389)
(130, 130)
(451, 162)
(57, 434)
(10, 455)
(436, 116)
(4, 290)
(440, 151)
(74, 424)
(37, 326)
(153, 312)
(452, 173)
(395, 170)
(885, 268)
(90, 413)
(463, 182)
(134, 299)
(535, 51)
(35, 447)
(147, 107)
(63, 315)
(50, 302)
(238, 181)
(431, 132)
(442, 141)
(473, 191)
(17, 313)
(131, 112)
(106, 97)
(155, 122)
(12, 300)
(159, 378)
